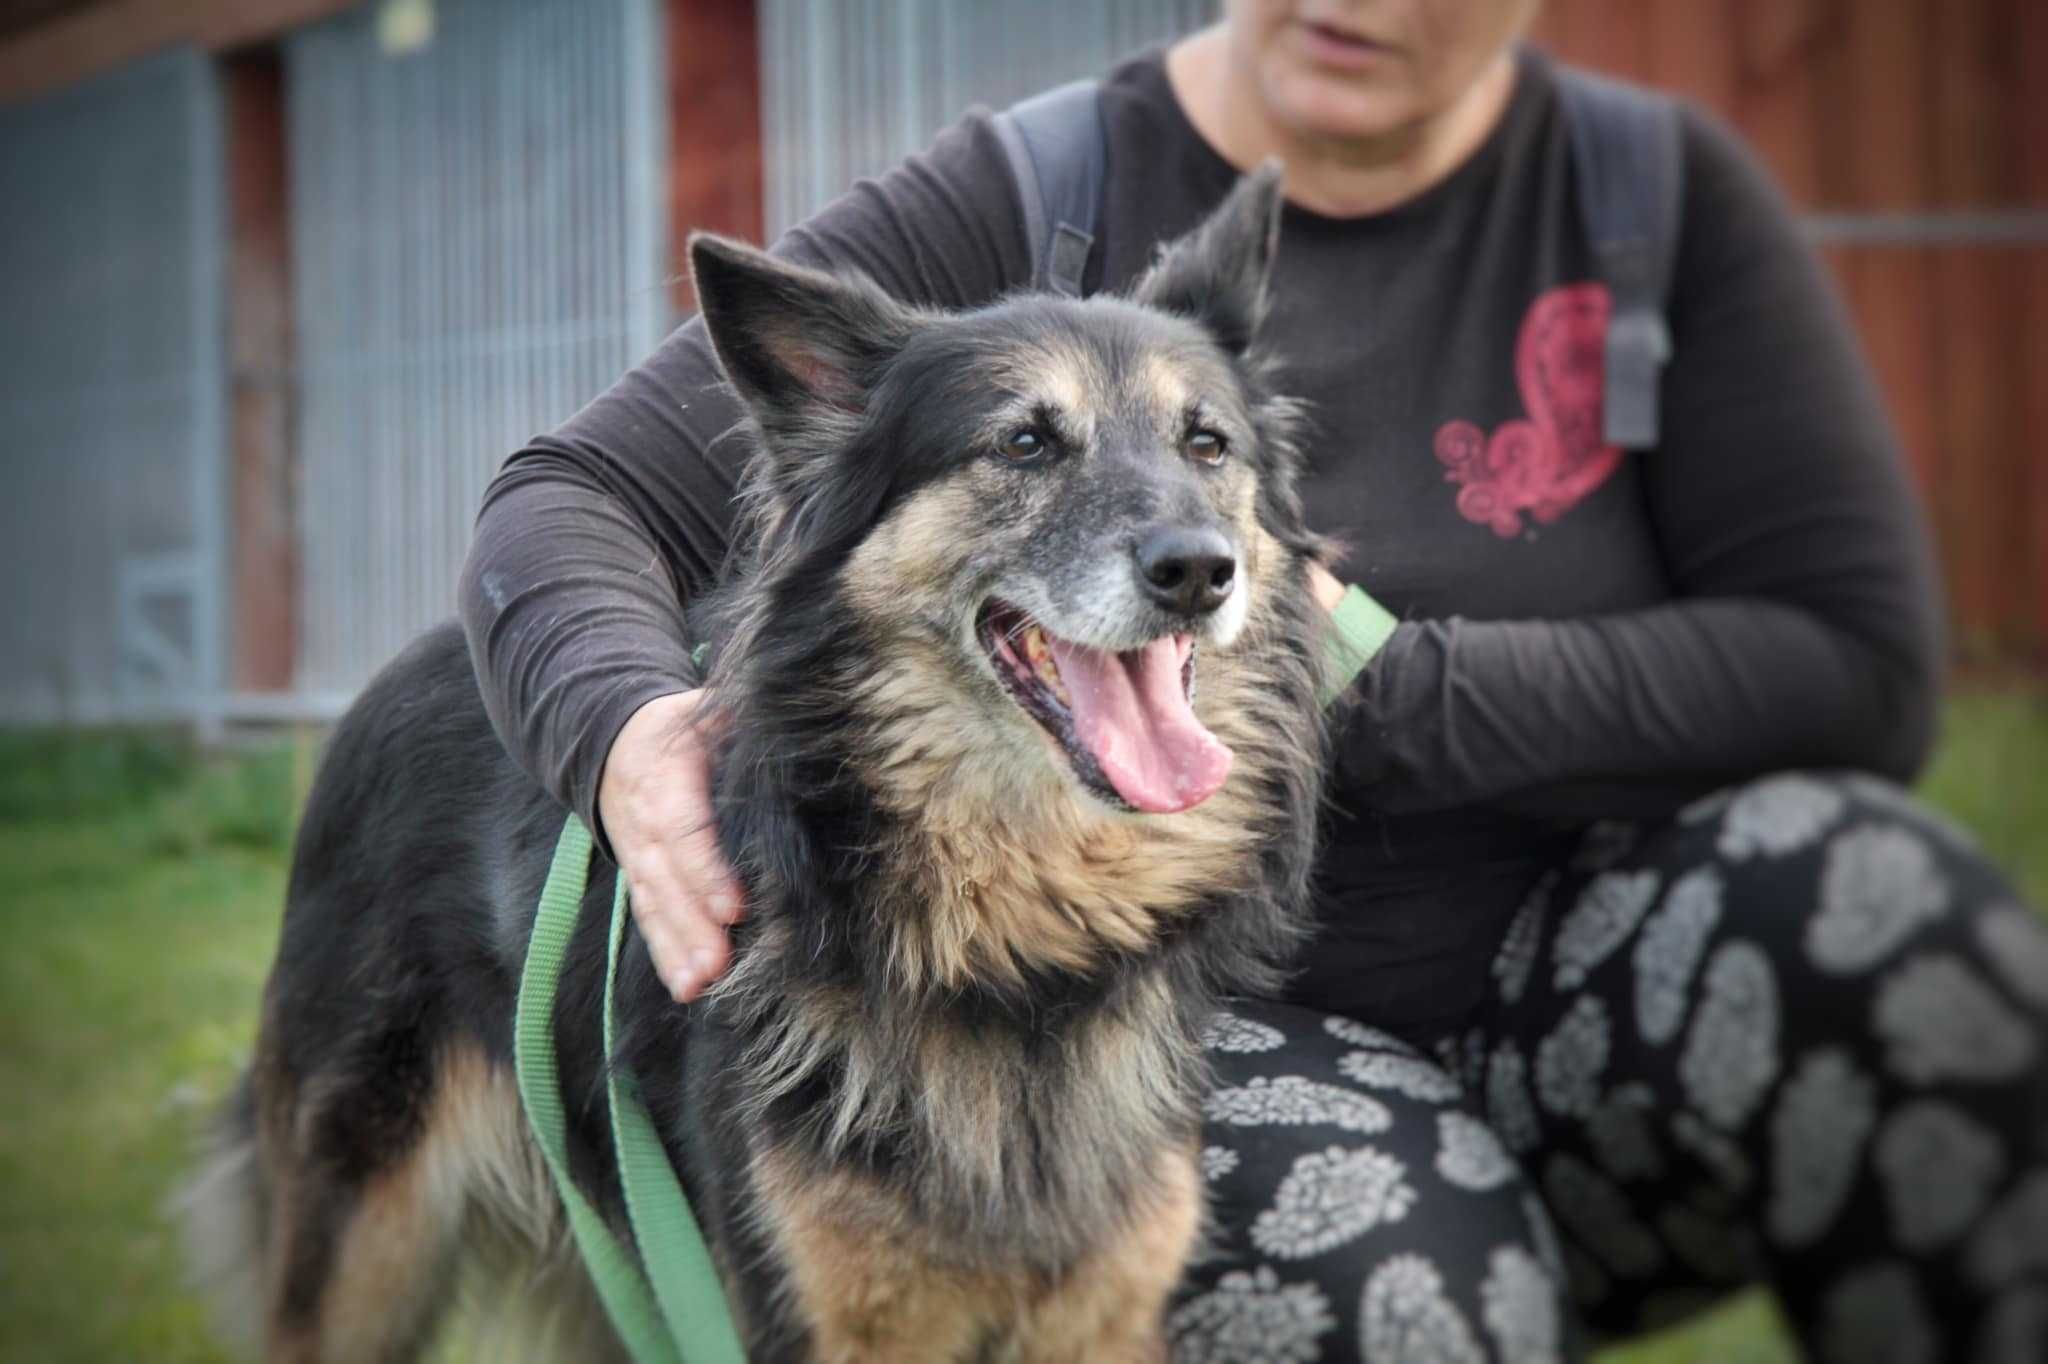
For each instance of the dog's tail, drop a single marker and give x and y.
(222, 1209)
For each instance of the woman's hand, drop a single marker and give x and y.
(655, 801)
(1325, 586)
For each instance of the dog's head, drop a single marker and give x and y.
(1052, 520)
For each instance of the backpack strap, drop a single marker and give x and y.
(1054, 144)
(1628, 159)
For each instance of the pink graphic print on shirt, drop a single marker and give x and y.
(1544, 463)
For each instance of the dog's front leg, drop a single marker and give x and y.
(1111, 1307)
(860, 1283)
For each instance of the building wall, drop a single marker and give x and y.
(849, 87)
(111, 387)
(478, 248)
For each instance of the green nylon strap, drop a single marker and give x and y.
(1359, 627)
(671, 1246)
(686, 1288)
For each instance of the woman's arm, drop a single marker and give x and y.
(592, 537)
(1806, 632)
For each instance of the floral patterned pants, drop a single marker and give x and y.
(1797, 1036)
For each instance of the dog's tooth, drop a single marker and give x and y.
(1034, 643)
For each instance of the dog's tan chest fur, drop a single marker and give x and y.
(873, 1284)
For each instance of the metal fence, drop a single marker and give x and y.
(111, 395)
(476, 251)
(849, 87)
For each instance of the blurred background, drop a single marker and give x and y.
(287, 279)
(291, 278)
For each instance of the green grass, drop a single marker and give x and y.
(1991, 775)
(140, 885)
(137, 947)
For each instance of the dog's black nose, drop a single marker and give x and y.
(1189, 569)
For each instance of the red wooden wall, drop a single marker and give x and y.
(714, 125)
(265, 543)
(1873, 108)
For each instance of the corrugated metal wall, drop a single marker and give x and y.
(111, 395)
(477, 250)
(850, 88)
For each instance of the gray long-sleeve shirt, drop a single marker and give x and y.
(1586, 632)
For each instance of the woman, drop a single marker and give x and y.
(1792, 1031)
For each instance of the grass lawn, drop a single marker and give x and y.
(139, 890)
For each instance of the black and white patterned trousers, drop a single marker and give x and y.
(1797, 1035)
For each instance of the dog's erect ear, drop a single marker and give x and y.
(1216, 274)
(792, 339)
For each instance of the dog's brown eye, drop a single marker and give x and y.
(1206, 446)
(1023, 445)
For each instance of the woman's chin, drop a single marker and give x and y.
(1332, 106)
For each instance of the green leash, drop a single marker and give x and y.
(686, 1296)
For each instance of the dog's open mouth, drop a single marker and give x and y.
(1124, 720)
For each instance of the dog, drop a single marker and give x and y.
(1019, 766)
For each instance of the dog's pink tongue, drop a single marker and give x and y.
(1133, 714)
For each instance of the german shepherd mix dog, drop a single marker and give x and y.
(1020, 771)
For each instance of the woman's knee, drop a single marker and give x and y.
(1822, 976)
(1358, 1202)
(1835, 873)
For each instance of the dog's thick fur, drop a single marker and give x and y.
(945, 1104)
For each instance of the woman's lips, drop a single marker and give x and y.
(1338, 47)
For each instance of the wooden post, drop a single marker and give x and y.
(265, 536)
(714, 127)
(2029, 115)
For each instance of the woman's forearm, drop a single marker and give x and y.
(1592, 718)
